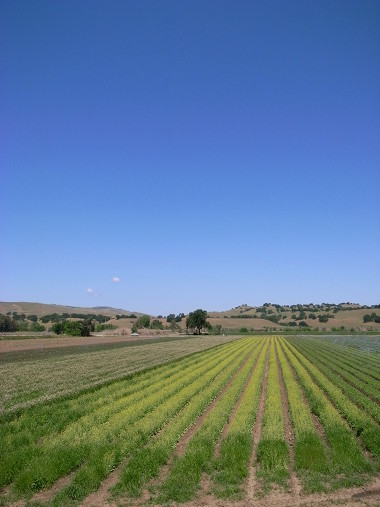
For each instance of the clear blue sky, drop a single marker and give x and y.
(205, 153)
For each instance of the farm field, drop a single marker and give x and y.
(29, 377)
(252, 421)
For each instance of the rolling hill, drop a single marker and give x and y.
(268, 317)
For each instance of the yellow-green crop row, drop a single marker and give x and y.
(139, 421)
(272, 451)
(132, 439)
(60, 452)
(361, 362)
(309, 451)
(66, 411)
(341, 380)
(98, 448)
(359, 379)
(21, 436)
(185, 475)
(232, 465)
(145, 464)
(41, 376)
(344, 450)
(359, 421)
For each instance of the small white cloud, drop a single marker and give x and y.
(116, 279)
(92, 292)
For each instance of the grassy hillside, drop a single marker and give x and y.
(346, 317)
(325, 317)
(41, 309)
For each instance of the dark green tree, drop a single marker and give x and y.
(7, 324)
(156, 324)
(58, 328)
(197, 320)
(37, 327)
(143, 321)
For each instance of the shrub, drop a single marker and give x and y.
(156, 324)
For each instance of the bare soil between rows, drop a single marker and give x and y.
(368, 495)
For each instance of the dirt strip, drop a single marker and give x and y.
(363, 496)
(48, 494)
(45, 495)
(295, 483)
(252, 484)
(100, 497)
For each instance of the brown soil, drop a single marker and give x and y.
(99, 497)
(252, 485)
(47, 494)
(368, 495)
(295, 483)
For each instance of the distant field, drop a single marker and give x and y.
(30, 376)
(255, 421)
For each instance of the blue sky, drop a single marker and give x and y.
(205, 153)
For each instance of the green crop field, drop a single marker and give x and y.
(251, 420)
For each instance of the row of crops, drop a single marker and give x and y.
(249, 415)
(368, 344)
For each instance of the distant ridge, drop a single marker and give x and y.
(108, 308)
(41, 309)
(342, 317)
